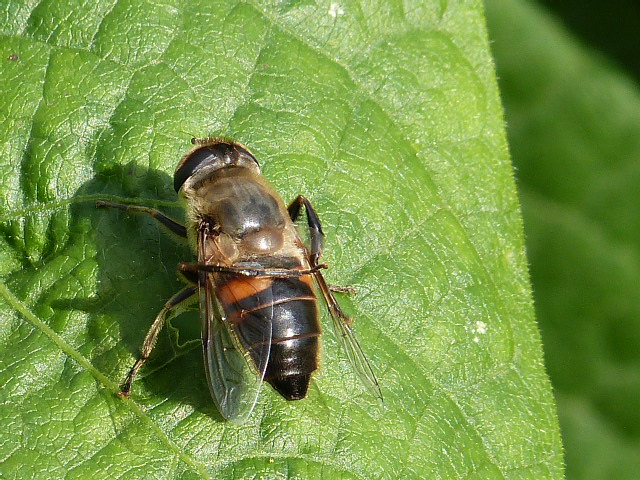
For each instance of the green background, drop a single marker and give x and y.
(387, 115)
(573, 118)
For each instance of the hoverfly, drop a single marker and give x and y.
(254, 278)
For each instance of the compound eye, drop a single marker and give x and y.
(191, 164)
(244, 152)
(214, 153)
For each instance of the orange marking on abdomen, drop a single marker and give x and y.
(242, 287)
(307, 279)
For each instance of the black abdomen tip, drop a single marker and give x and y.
(291, 387)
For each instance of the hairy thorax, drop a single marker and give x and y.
(247, 215)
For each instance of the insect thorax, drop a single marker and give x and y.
(244, 209)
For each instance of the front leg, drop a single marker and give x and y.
(169, 223)
(188, 268)
(316, 235)
(315, 229)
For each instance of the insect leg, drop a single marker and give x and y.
(187, 268)
(316, 235)
(342, 289)
(171, 224)
(342, 327)
(315, 229)
(341, 322)
(150, 340)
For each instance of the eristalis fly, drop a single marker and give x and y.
(254, 278)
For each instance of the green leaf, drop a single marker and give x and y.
(574, 129)
(387, 116)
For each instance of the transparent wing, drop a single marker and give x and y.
(348, 340)
(236, 349)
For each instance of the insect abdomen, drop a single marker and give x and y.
(291, 306)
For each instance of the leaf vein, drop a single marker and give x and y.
(19, 306)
